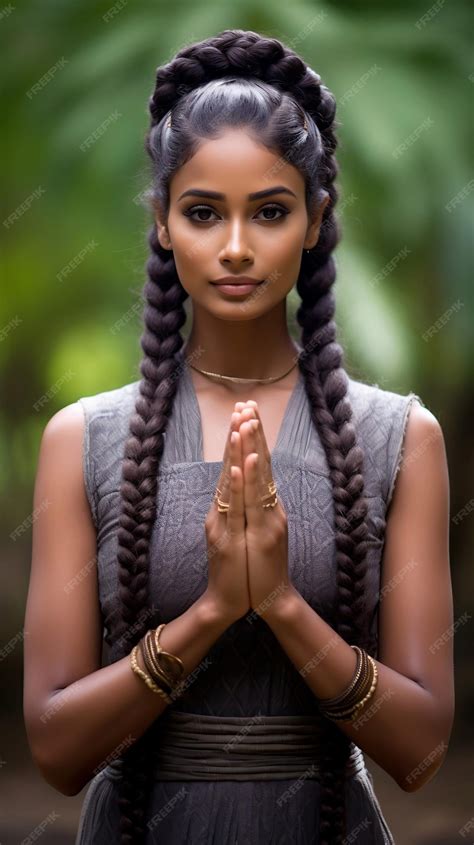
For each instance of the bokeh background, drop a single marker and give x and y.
(403, 76)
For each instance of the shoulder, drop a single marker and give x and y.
(422, 458)
(119, 400)
(106, 423)
(73, 421)
(381, 418)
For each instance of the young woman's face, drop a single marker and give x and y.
(234, 235)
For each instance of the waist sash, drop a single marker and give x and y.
(191, 746)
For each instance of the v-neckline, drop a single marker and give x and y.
(197, 432)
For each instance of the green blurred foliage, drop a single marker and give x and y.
(395, 78)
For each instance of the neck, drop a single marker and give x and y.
(254, 349)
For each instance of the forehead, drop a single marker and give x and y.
(236, 165)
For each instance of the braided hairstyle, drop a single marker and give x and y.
(241, 78)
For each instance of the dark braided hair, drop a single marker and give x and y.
(240, 78)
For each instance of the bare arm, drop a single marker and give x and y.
(406, 725)
(78, 714)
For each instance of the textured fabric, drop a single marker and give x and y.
(246, 672)
(191, 746)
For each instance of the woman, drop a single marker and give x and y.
(231, 508)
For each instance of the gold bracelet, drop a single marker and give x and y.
(145, 677)
(174, 671)
(354, 714)
(351, 714)
(164, 668)
(346, 704)
(157, 676)
(155, 669)
(356, 678)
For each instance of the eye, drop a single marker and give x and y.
(199, 209)
(196, 209)
(284, 212)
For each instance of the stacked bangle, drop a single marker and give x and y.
(346, 706)
(163, 671)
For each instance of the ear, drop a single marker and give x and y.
(162, 228)
(312, 232)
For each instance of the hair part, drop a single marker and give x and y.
(242, 79)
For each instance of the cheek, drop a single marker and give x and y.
(285, 255)
(191, 249)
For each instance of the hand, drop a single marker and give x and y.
(228, 588)
(266, 529)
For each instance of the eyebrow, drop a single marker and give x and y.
(278, 189)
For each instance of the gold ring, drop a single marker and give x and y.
(223, 507)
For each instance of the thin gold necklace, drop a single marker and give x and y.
(245, 380)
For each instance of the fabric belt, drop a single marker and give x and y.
(191, 746)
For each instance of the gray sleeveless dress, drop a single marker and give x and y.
(247, 680)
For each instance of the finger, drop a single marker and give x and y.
(251, 443)
(260, 432)
(254, 512)
(224, 479)
(236, 512)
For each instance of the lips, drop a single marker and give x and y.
(236, 289)
(236, 280)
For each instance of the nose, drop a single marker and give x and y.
(236, 248)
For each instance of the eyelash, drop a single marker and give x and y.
(192, 210)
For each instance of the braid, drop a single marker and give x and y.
(321, 364)
(163, 317)
(276, 86)
(240, 53)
